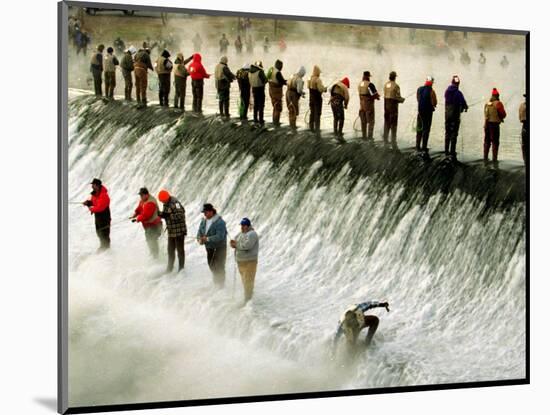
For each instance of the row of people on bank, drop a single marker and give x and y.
(212, 233)
(252, 81)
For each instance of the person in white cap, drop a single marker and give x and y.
(127, 66)
(427, 101)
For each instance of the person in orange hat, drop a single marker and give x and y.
(494, 115)
(339, 99)
(173, 214)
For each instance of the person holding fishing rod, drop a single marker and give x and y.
(455, 104)
(246, 245)
(98, 205)
(392, 99)
(212, 234)
(173, 214)
(147, 213)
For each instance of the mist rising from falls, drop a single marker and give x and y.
(333, 232)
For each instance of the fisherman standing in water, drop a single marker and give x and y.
(98, 205)
(246, 246)
(355, 319)
(147, 213)
(213, 235)
(173, 214)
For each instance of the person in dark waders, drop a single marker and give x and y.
(244, 90)
(427, 102)
(98, 205)
(127, 67)
(367, 95)
(276, 84)
(258, 80)
(316, 89)
(224, 77)
(392, 99)
(355, 319)
(142, 63)
(198, 75)
(173, 214)
(455, 104)
(164, 69)
(180, 80)
(96, 68)
(339, 99)
(147, 213)
(494, 115)
(212, 234)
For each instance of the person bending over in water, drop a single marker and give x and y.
(355, 319)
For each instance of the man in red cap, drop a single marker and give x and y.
(339, 99)
(173, 214)
(494, 115)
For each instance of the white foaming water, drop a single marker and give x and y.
(454, 277)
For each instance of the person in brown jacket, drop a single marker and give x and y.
(180, 80)
(316, 89)
(524, 127)
(494, 115)
(276, 84)
(339, 99)
(142, 63)
(392, 99)
(367, 95)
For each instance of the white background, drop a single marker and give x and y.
(28, 166)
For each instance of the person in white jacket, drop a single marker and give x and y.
(246, 245)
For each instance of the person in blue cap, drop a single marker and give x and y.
(246, 245)
(355, 319)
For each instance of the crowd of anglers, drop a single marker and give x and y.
(213, 235)
(252, 81)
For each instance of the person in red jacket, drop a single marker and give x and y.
(198, 74)
(147, 213)
(494, 116)
(98, 205)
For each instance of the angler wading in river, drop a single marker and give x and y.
(98, 205)
(147, 213)
(246, 245)
(212, 234)
(173, 214)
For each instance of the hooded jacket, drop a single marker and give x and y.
(257, 77)
(339, 88)
(223, 74)
(100, 207)
(297, 81)
(143, 60)
(196, 69)
(454, 102)
(315, 82)
(274, 75)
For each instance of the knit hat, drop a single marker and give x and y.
(495, 92)
(164, 196)
(455, 80)
(429, 81)
(165, 54)
(223, 60)
(345, 81)
(246, 222)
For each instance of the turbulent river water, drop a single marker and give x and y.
(445, 247)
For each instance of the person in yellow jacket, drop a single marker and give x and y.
(316, 89)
